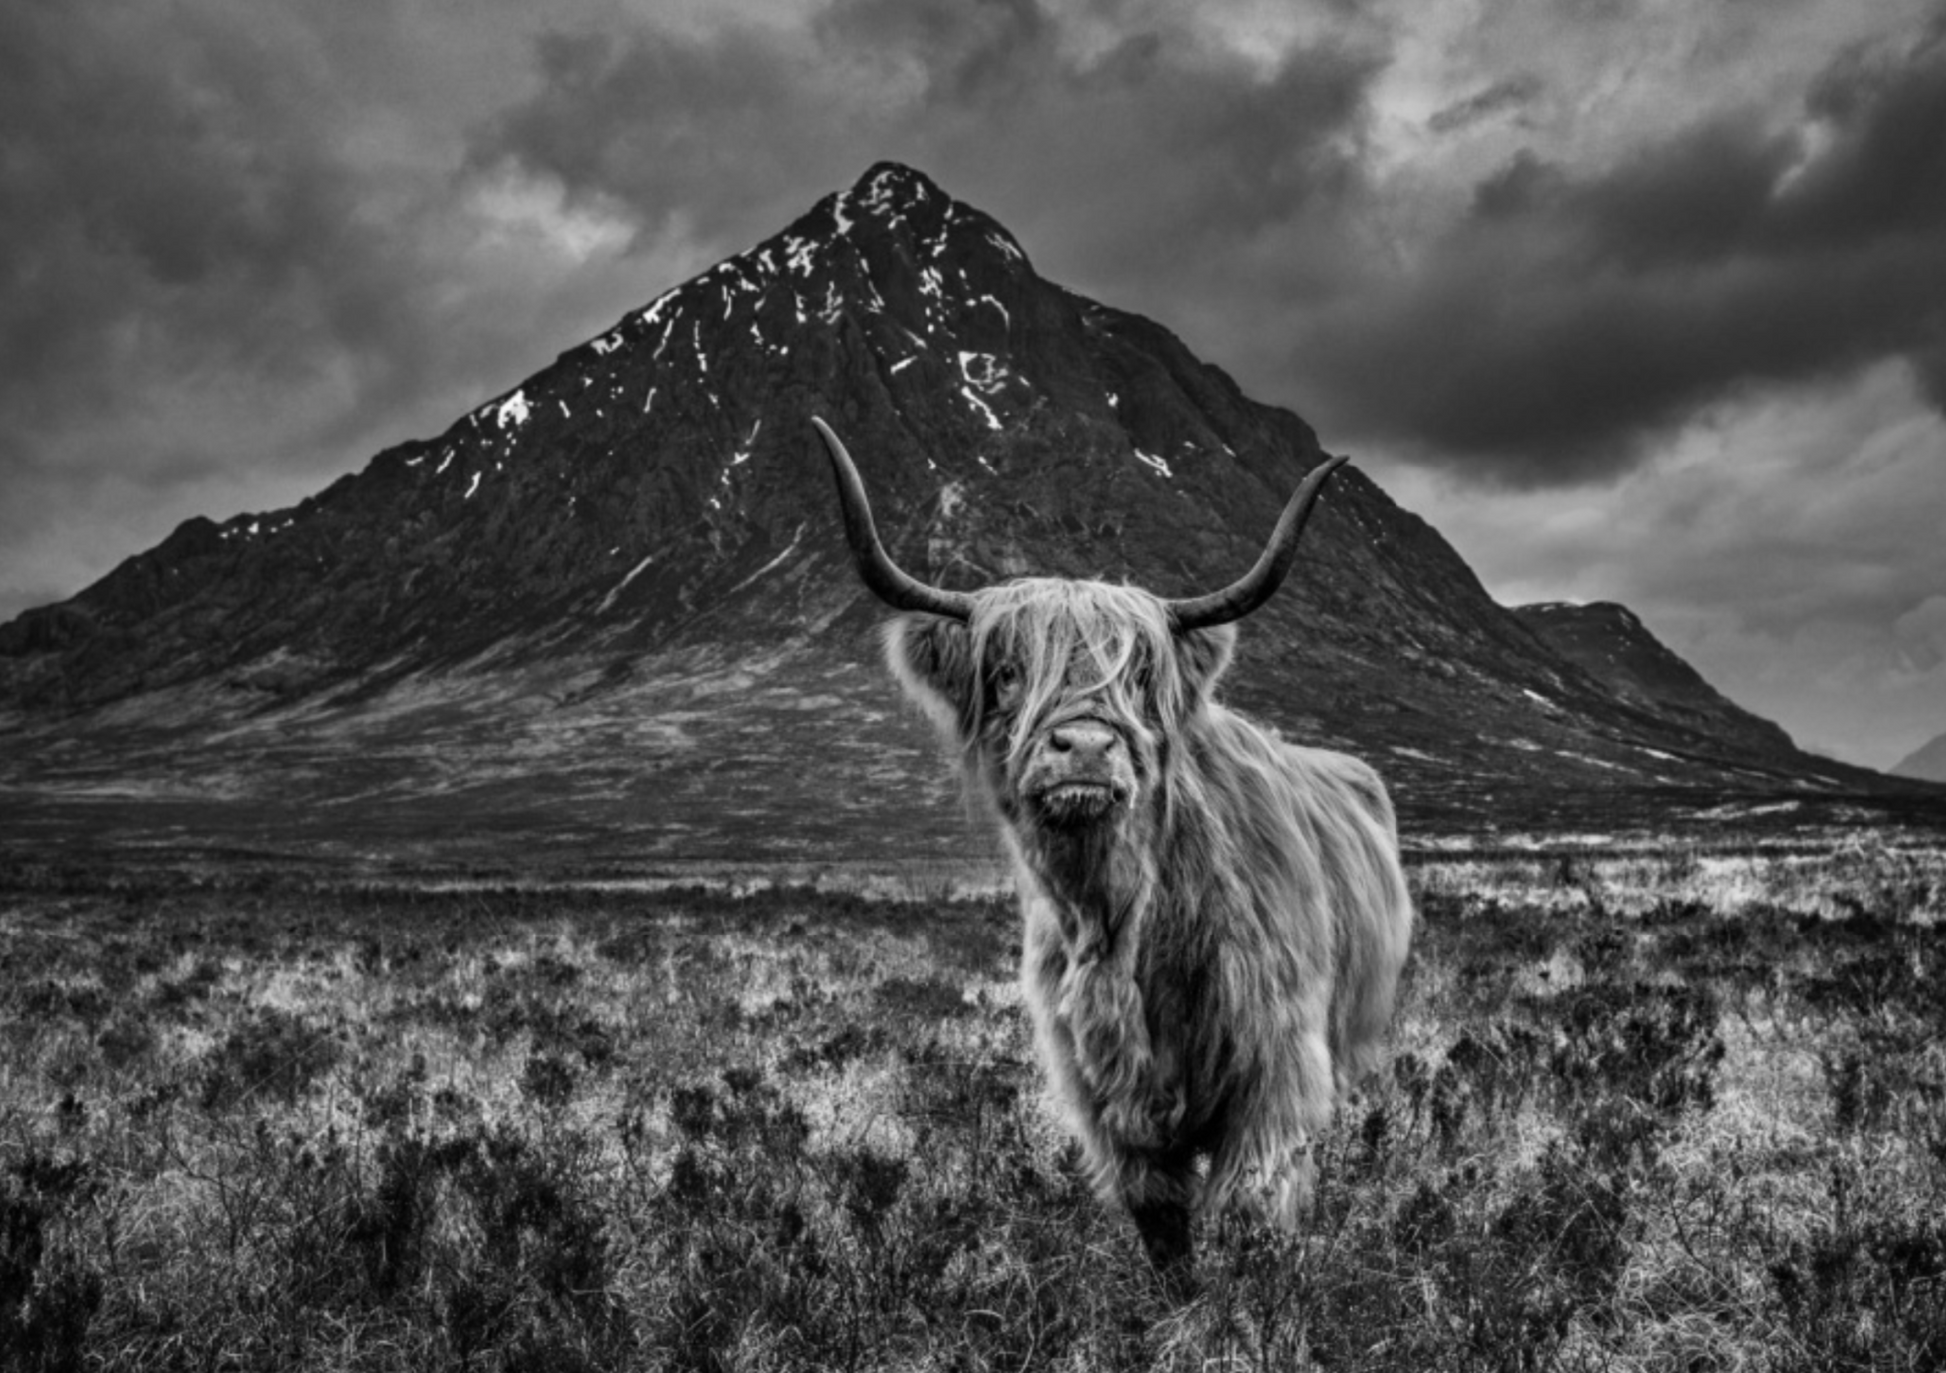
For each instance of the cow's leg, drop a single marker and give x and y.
(1160, 1193)
(1261, 1168)
(1281, 1193)
(1164, 1230)
(1136, 1084)
(1267, 1180)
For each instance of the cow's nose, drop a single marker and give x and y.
(1085, 740)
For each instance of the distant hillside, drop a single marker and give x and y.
(1614, 646)
(1927, 762)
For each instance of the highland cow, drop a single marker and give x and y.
(1215, 919)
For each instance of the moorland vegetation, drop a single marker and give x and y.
(1657, 1109)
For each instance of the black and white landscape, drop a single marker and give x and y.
(494, 911)
(609, 609)
(436, 932)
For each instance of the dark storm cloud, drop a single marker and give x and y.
(185, 255)
(1571, 318)
(1073, 138)
(226, 279)
(1501, 97)
(684, 129)
(159, 195)
(1567, 320)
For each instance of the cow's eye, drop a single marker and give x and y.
(1006, 683)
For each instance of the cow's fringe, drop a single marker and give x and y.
(1079, 646)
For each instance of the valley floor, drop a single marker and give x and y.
(1648, 1109)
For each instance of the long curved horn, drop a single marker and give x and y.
(886, 579)
(1257, 585)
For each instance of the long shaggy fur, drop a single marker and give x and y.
(1208, 969)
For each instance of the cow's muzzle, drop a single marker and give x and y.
(1078, 773)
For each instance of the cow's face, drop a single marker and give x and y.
(1065, 696)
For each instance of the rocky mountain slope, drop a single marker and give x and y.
(614, 602)
(1609, 643)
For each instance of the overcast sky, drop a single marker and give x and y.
(1633, 300)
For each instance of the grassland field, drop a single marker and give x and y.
(1667, 1108)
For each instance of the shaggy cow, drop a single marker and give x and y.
(1215, 919)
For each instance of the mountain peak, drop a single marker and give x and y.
(887, 187)
(894, 213)
(1609, 641)
(654, 505)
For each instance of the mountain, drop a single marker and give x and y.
(610, 610)
(1609, 643)
(1926, 763)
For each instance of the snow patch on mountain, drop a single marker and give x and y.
(983, 370)
(796, 539)
(622, 585)
(654, 309)
(1589, 758)
(513, 410)
(993, 420)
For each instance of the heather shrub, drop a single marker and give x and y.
(1625, 1126)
